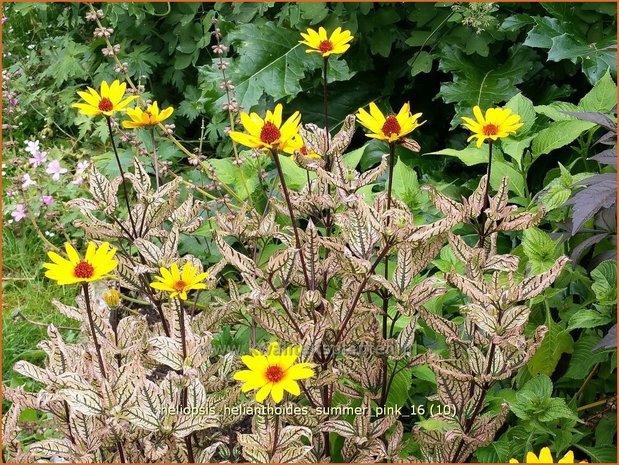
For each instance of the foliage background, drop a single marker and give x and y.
(542, 58)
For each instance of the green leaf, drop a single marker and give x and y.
(501, 169)
(539, 249)
(515, 147)
(556, 342)
(425, 373)
(351, 159)
(405, 184)
(484, 82)
(520, 105)
(606, 454)
(272, 62)
(421, 63)
(243, 179)
(587, 318)
(555, 110)
(540, 36)
(603, 96)
(584, 358)
(398, 394)
(557, 135)
(469, 156)
(605, 282)
(596, 58)
(296, 177)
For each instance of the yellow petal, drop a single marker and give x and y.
(478, 115)
(545, 456)
(277, 393)
(263, 392)
(567, 458)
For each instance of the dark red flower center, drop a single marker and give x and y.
(274, 373)
(391, 126)
(106, 104)
(490, 130)
(325, 46)
(180, 285)
(83, 270)
(303, 151)
(269, 133)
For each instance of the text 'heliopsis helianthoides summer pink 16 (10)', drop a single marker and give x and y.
(391, 127)
(105, 102)
(179, 282)
(545, 456)
(496, 123)
(97, 264)
(149, 117)
(269, 133)
(319, 42)
(274, 372)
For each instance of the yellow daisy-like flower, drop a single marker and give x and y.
(96, 265)
(392, 127)
(105, 102)
(111, 297)
(318, 42)
(269, 132)
(273, 373)
(299, 146)
(497, 123)
(545, 456)
(149, 117)
(179, 282)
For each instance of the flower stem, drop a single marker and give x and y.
(92, 329)
(275, 434)
(297, 238)
(181, 323)
(486, 200)
(122, 174)
(91, 322)
(155, 160)
(383, 397)
(325, 99)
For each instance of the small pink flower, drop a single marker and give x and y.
(27, 181)
(81, 167)
(38, 158)
(47, 199)
(55, 170)
(78, 181)
(19, 213)
(32, 146)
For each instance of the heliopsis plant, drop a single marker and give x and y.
(495, 124)
(106, 102)
(392, 127)
(545, 456)
(149, 117)
(319, 42)
(269, 133)
(179, 282)
(274, 372)
(97, 264)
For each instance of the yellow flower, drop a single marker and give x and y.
(97, 264)
(498, 122)
(390, 128)
(273, 373)
(151, 117)
(318, 42)
(179, 282)
(269, 132)
(299, 146)
(105, 102)
(111, 297)
(545, 456)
